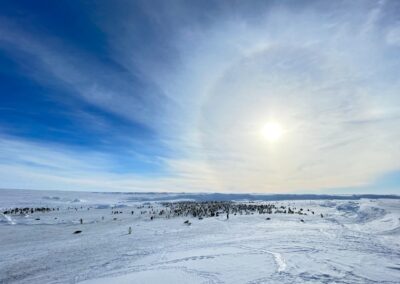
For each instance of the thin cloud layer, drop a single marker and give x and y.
(194, 86)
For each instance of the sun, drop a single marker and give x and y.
(272, 131)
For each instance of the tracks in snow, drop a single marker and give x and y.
(280, 261)
(278, 258)
(9, 219)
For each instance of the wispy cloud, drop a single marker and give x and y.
(206, 80)
(51, 61)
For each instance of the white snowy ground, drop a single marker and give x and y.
(355, 242)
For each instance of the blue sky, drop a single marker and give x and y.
(172, 95)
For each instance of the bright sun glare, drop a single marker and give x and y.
(272, 131)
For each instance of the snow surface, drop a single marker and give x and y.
(357, 241)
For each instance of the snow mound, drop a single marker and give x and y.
(368, 214)
(361, 212)
(348, 207)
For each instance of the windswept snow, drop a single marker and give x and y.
(356, 241)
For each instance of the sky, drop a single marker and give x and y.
(173, 96)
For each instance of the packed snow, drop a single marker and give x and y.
(335, 240)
